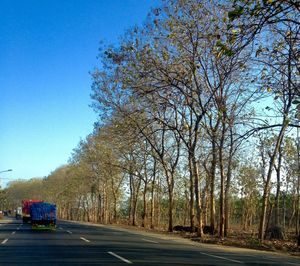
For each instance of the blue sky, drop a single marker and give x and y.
(47, 48)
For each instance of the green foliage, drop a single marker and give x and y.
(224, 48)
(236, 13)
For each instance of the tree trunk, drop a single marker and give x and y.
(205, 198)
(198, 197)
(277, 196)
(228, 184)
(170, 179)
(107, 210)
(271, 206)
(131, 199)
(212, 186)
(277, 199)
(144, 214)
(192, 212)
(222, 185)
(135, 188)
(222, 210)
(99, 206)
(152, 212)
(266, 194)
(298, 187)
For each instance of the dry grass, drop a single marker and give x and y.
(237, 238)
(247, 239)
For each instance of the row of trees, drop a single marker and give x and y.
(198, 125)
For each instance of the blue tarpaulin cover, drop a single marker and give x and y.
(43, 211)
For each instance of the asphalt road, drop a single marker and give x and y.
(82, 244)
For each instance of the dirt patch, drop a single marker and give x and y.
(238, 239)
(241, 240)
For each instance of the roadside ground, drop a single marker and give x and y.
(232, 243)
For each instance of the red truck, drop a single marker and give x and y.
(26, 203)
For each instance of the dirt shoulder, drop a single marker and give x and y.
(288, 247)
(239, 241)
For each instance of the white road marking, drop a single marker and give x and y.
(4, 241)
(119, 257)
(151, 241)
(69, 232)
(219, 257)
(13, 232)
(60, 228)
(84, 239)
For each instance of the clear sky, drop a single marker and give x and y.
(47, 48)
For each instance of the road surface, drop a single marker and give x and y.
(82, 244)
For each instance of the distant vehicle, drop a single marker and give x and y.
(26, 209)
(43, 215)
(19, 213)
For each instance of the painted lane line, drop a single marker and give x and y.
(219, 257)
(69, 232)
(119, 257)
(60, 228)
(150, 241)
(4, 241)
(13, 232)
(84, 239)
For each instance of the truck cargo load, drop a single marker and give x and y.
(26, 203)
(43, 215)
